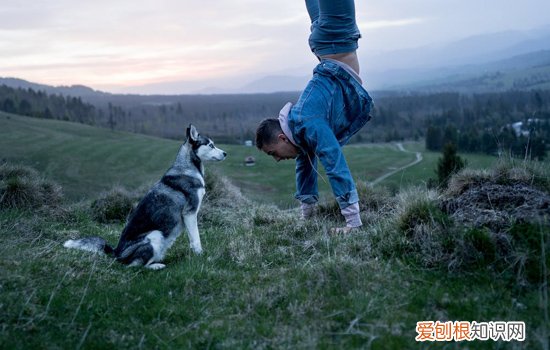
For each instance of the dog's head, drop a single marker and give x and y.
(203, 146)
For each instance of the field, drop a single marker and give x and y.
(87, 160)
(266, 279)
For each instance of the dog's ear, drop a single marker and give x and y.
(192, 133)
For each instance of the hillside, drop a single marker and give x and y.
(266, 279)
(478, 119)
(50, 145)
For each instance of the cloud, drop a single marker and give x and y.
(128, 41)
(390, 23)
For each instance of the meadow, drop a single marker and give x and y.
(86, 160)
(266, 279)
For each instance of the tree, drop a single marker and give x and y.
(538, 148)
(488, 143)
(433, 138)
(9, 106)
(449, 164)
(25, 107)
(450, 135)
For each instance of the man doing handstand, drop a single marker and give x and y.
(331, 109)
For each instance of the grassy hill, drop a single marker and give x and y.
(84, 160)
(266, 279)
(87, 160)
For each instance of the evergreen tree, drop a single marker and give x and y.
(488, 143)
(450, 135)
(9, 106)
(538, 148)
(25, 107)
(433, 138)
(449, 164)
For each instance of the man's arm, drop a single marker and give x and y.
(321, 139)
(306, 180)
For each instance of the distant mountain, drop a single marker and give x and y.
(276, 83)
(495, 75)
(480, 52)
(474, 55)
(527, 71)
(513, 59)
(73, 90)
(472, 50)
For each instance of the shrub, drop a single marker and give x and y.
(223, 204)
(509, 170)
(531, 246)
(22, 188)
(479, 247)
(220, 191)
(421, 212)
(450, 163)
(113, 206)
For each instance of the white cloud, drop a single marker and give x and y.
(128, 41)
(390, 23)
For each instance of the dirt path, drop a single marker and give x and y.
(388, 174)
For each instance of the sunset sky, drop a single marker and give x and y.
(110, 45)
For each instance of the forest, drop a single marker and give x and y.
(514, 122)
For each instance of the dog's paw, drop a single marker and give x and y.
(155, 266)
(197, 249)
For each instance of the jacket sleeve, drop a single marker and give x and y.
(321, 140)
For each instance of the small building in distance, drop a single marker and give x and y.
(249, 161)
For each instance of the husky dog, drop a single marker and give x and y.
(160, 216)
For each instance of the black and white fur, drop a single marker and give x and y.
(161, 215)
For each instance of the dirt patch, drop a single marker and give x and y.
(497, 206)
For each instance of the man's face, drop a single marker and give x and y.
(282, 149)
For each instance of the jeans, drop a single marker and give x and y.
(332, 108)
(333, 26)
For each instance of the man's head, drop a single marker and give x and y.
(271, 139)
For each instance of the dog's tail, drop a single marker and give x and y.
(90, 244)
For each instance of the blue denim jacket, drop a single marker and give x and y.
(331, 109)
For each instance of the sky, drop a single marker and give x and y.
(114, 45)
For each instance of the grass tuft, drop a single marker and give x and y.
(22, 188)
(420, 209)
(224, 205)
(113, 206)
(506, 171)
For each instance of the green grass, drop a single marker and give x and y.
(86, 160)
(274, 182)
(277, 285)
(266, 278)
(83, 159)
(422, 172)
